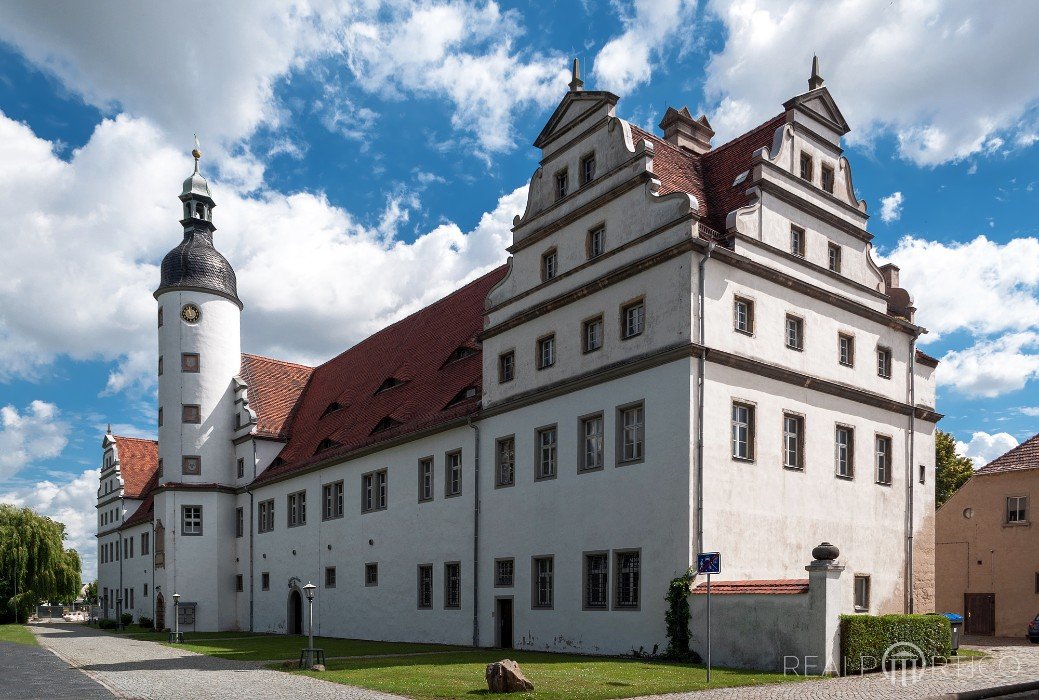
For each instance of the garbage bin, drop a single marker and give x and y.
(957, 624)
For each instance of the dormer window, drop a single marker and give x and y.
(467, 393)
(331, 408)
(827, 178)
(389, 384)
(460, 354)
(549, 265)
(587, 169)
(385, 424)
(326, 444)
(562, 184)
(806, 166)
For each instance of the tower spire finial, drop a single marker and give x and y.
(197, 152)
(575, 82)
(816, 81)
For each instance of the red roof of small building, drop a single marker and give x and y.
(274, 389)
(138, 463)
(1024, 456)
(782, 586)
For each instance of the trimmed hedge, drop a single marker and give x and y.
(106, 624)
(145, 622)
(126, 619)
(865, 638)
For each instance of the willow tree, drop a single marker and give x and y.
(34, 564)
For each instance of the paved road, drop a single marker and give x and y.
(33, 673)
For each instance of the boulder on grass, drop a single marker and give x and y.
(505, 676)
(317, 667)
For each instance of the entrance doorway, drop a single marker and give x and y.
(980, 611)
(160, 612)
(295, 616)
(503, 622)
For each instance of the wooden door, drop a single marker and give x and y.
(980, 609)
(504, 619)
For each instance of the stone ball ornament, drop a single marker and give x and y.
(825, 552)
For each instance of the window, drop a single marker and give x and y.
(596, 581)
(549, 265)
(834, 257)
(371, 574)
(883, 459)
(265, 581)
(845, 451)
(541, 596)
(634, 319)
(189, 362)
(453, 473)
(743, 315)
(191, 465)
(596, 241)
(1017, 509)
(160, 464)
(332, 500)
(547, 449)
(373, 491)
(425, 586)
(160, 416)
(592, 429)
(506, 367)
(504, 573)
(505, 462)
(884, 363)
(145, 543)
(793, 441)
(265, 516)
(861, 593)
(190, 413)
(794, 332)
(160, 317)
(546, 352)
(827, 177)
(846, 349)
(160, 365)
(297, 508)
(561, 184)
(425, 479)
(923, 474)
(191, 520)
(587, 169)
(797, 241)
(742, 431)
(238, 583)
(806, 166)
(146, 590)
(592, 334)
(632, 433)
(452, 585)
(628, 580)
(239, 522)
(1037, 582)
(241, 467)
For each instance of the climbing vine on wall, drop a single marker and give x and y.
(677, 616)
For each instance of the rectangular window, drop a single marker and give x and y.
(845, 451)
(191, 465)
(453, 473)
(1017, 509)
(742, 431)
(265, 581)
(846, 349)
(547, 450)
(505, 462)
(146, 590)
(596, 242)
(506, 367)
(793, 441)
(794, 332)
(834, 257)
(239, 522)
(541, 597)
(160, 372)
(826, 173)
(633, 319)
(425, 586)
(923, 474)
(549, 265)
(597, 581)
(160, 467)
(546, 352)
(628, 579)
(160, 416)
(189, 362)
(191, 520)
(241, 467)
(592, 430)
(587, 169)
(239, 583)
(297, 508)
(632, 433)
(160, 317)
(191, 413)
(452, 585)
(797, 241)
(425, 479)
(562, 183)
(265, 516)
(883, 459)
(592, 334)
(743, 315)
(504, 573)
(332, 500)
(884, 363)
(371, 574)
(373, 491)
(806, 166)
(145, 543)
(861, 593)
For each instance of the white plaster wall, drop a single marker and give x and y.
(752, 631)
(126, 572)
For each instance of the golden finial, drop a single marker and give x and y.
(197, 152)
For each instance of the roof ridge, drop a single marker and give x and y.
(274, 359)
(127, 437)
(1011, 454)
(746, 133)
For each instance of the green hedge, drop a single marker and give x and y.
(106, 624)
(865, 638)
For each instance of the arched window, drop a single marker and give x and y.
(200, 210)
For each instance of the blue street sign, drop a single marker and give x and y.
(708, 563)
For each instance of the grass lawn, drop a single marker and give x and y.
(263, 647)
(460, 675)
(19, 634)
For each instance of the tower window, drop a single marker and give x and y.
(190, 362)
(191, 413)
(160, 365)
(200, 210)
(160, 317)
(191, 465)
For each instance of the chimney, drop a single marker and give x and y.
(685, 132)
(890, 272)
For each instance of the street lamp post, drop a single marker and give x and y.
(119, 612)
(309, 590)
(175, 637)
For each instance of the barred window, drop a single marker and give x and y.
(453, 585)
(592, 442)
(330, 577)
(546, 453)
(542, 580)
(505, 458)
(504, 572)
(425, 586)
(596, 581)
(628, 579)
(371, 574)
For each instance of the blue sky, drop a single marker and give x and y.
(368, 157)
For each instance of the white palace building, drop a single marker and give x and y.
(689, 349)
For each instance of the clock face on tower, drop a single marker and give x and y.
(190, 313)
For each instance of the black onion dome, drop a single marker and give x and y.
(196, 264)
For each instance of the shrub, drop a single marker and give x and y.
(866, 638)
(106, 624)
(145, 622)
(126, 619)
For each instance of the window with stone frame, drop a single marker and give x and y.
(596, 242)
(629, 580)
(884, 362)
(562, 181)
(549, 265)
(265, 516)
(373, 491)
(743, 315)
(191, 413)
(846, 349)
(506, 367)
(794, 332)
(827, 177)
(190, 362)
(542, 583)
(191, 465)
(632, 433)
(425, 586)
(453, 473)
(505, 461)
(742, 431)
(587, 168)
(597, 581)
(793, 441)
(332, 500)
(190, 520)
(591, 335)
(862, 586)
(833, 257)
(546, 351)
(882, 445)
(452, 585)
(504, 573)
(297, 508)
(592, 442)
(806, 166)
(845, 451)
(425, 479)
(633, 317)
(797, 241)
(547, 445)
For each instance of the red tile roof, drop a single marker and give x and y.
(677, 170)
(925, 359)
(138, 463)
(783, 586)
(145, 511)
(415, 352)
(274, 389)
(1024, 456)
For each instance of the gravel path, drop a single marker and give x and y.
(34, 673)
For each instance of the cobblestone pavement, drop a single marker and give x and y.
(150, 671)
(33, 672)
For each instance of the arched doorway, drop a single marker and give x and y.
(160, 612)
(295, 614)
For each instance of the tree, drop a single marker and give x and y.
(34, 564)
(951, 470)
(90, 594)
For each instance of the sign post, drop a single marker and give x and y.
(708, 563)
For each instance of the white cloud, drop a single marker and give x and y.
(71, 503)
(891, 207)
(992, 367)
(36, 432)
(1032, 411)
(983, 447)
(934, 74)
(651, 32)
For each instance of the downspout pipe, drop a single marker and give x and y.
(249, 528)
(910, 486)
(476, 531)
(701, 372)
